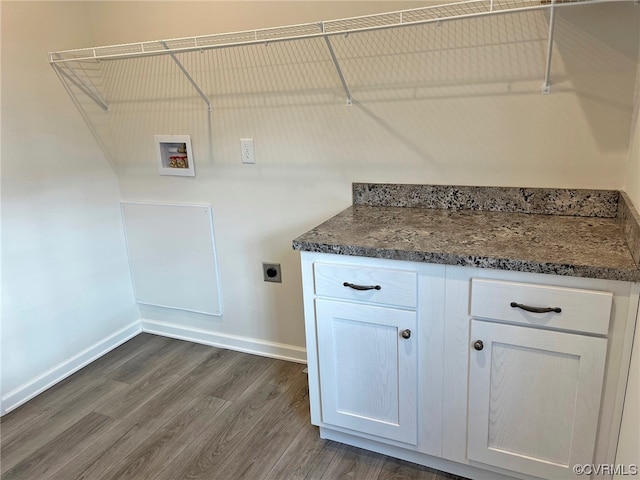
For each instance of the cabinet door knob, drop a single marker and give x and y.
(478, 345)
(406, 333)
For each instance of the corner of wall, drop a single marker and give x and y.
(42, 382)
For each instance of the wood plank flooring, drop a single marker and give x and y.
(164, 409)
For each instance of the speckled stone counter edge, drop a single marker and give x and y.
(631, 225)
(472, 261)
(581, 203)
(549, 201)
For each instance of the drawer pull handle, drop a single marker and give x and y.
(478, 345)
(406, 333)
(362, 287)
(536, 309)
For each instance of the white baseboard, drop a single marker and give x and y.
(33, 387)
(30, 389)
(254, 346)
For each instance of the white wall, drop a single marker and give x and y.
(480, 119)
(66, 286)
(632, 177)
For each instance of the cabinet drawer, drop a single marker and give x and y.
(580, 310)
(390, 287)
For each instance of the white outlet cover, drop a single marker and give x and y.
(247, 152)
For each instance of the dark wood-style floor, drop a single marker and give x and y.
(164, 409)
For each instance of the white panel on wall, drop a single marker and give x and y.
(172, 256)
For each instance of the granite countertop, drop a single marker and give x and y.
(581, 234)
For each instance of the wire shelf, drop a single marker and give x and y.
(401, 18)
(322, 52)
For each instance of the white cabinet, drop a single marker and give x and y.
(543, 392)
(534, 398)
(368, 368)
(534, 391)
(374, 332)
(367, 350)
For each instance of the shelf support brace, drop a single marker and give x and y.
(338, 69)
(81, 84)
(189, 77)
(546, 87)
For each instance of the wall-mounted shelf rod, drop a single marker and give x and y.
(189, 77)
(368, 23)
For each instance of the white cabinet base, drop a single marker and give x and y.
(450, 432)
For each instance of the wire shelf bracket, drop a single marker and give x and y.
(74, 78)
(546, 86)
(338, 69)
(186, 74)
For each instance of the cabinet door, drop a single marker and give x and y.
(368, 370)
(534, 398)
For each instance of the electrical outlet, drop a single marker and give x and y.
(246, 150)
(272, 272)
